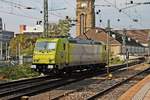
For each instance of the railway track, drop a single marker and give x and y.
(109, 89)
(16, 89)
(101, 88)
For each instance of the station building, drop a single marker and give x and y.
(142, 36)
(35, 31)
(32, 31)
(134, 41)
(117, 43)
(134, 47)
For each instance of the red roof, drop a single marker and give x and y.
(99, 34)
(140, 35)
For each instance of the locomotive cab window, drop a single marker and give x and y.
(45, 46)
(51, 46)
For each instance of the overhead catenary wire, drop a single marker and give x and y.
(128, 7)
(52, 10)
(25, 14)
(57, 15)
(118, 9)
(134, 5)
(57, 9)
(16, 4)
(129, 16)
(11, 13)
(22, 12)
(30, 17)
(69, 4)
(20, 6)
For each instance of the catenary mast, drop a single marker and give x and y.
(45, 32)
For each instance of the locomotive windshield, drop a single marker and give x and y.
(45, 46)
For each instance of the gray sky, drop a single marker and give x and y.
(29, 17)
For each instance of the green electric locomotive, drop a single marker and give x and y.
(65, 54)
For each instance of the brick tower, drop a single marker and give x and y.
(85, 15)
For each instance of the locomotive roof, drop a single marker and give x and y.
(81, 41)
(72, 40)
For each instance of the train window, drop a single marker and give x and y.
(51, 46)
(45, 46)
(64, 46)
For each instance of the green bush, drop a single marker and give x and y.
(116, 60)
(17, 72)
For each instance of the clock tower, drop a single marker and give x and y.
(85, 14)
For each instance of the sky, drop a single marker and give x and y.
(13, 13)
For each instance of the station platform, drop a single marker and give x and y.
(140, 91)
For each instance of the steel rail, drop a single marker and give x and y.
(23, 81)
(101, 93)
(112, 69)
(33, 89)
(16, 89)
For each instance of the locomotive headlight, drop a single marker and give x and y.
(33, 66)
(50, 67)
(36, 60)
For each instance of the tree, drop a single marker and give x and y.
(60, 29)
(26, 45)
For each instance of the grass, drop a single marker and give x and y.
(24, 71)
(17, 72)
